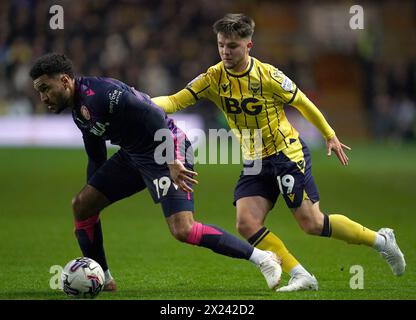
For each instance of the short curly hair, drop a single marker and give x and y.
(235, 23)
(51, 64)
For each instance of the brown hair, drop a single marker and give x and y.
(235, 23)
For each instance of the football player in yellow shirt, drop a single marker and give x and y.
(252, 94)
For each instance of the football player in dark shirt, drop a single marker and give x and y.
(108, 109)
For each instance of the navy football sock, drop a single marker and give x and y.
(219, 241)
(90, 239)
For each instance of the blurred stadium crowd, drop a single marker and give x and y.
(364, 78)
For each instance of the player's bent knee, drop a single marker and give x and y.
(180, 225)
(79, 208)
(243, 228)
(180, 233)
(88, 202)
(247, 227)
(76, 205)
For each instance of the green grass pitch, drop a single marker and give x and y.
(377, 189)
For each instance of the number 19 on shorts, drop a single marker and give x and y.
(286, 181)
(162, 184)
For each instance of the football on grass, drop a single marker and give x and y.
(82, 278)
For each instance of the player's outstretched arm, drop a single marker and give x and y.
(182, 176)
(311, 113)
(338, 147)
(175, 102)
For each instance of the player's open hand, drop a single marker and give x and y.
(181, 176)
(338, 147)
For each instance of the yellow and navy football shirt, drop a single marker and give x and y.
(252, 101)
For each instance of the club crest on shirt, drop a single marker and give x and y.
(85, 113)
(254, 87)
(224, 87)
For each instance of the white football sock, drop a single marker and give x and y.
(258, 256)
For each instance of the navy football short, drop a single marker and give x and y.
(281, 175)
(126, 173)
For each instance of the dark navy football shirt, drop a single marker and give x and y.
(108, 109)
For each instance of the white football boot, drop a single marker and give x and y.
(391, 252)
(300, 282)
(271, 269)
